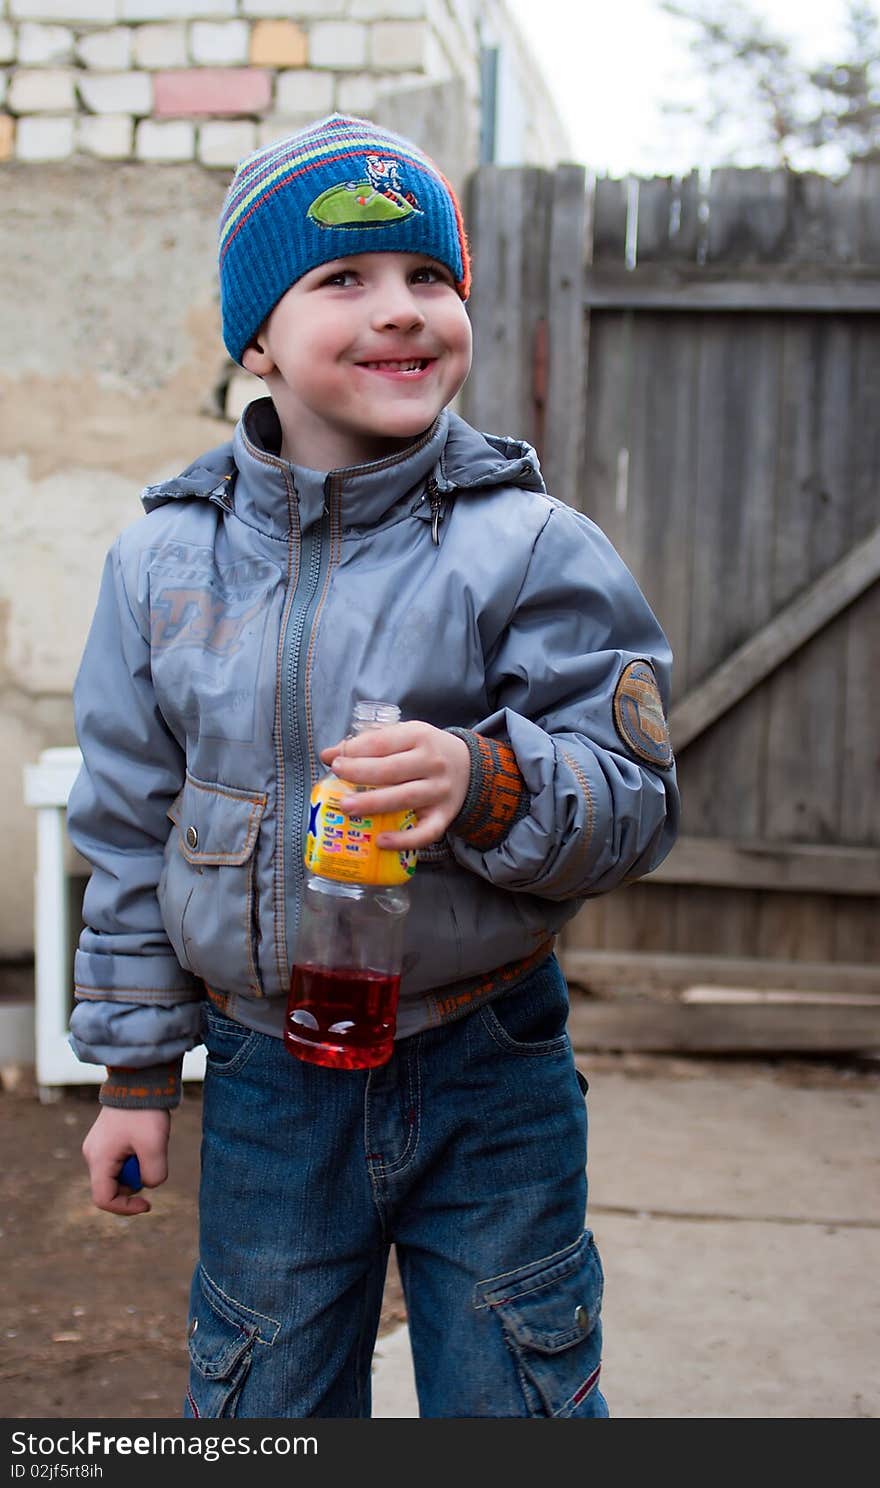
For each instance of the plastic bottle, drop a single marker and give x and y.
(344, 988)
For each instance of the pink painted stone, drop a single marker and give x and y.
(210, 90)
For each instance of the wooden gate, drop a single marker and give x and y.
(699, 366)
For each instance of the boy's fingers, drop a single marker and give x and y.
(427, 831)
(154, 1170)
(394, 769)
(106, 1194)
(392, 739)
(413, 795)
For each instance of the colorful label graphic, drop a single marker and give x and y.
(344, 847)
(381, 198)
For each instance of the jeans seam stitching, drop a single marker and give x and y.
(412, 1141)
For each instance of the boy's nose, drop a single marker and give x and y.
(397, 309)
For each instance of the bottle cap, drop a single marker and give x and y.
(374, 715)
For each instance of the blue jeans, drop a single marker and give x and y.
(467, 1152)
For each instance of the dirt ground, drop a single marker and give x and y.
(93, 1307)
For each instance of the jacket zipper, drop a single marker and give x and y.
(297, 775)
(436, 501)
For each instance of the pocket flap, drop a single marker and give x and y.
(553, 1303)
(221, 1330)
(217, 824)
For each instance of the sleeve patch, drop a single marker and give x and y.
(638, 715)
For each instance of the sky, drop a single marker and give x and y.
(610, 63)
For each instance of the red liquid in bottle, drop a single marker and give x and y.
(341, 1018)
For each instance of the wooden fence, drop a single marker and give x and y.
(698, 364)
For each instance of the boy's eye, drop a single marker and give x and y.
(341, 277)
(430, 274)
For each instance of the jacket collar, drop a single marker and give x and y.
(249, 477)
(267, 485)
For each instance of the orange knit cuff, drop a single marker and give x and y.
(497, 797)
(154, 1088)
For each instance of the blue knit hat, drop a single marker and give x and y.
(339, 187)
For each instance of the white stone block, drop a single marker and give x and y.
(295, 10)
(158, 47)
(341, 45)
(172, 139)
(398, 45)
(109, 136)
(173, 10)
(243, 388)
(387, 10)
(47, 90)
(64, 10)
(466, 14)
(436, 63)
(302, 92)
(217, 43)
(279, 126)
(4, 83)
(39, 45)
(44, 139)
(225, 143)
(116, 92)
(7, 42)
(106, 51)
(356, 94)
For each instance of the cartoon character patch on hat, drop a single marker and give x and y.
(380, 199)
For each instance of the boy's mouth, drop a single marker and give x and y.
(410, 367)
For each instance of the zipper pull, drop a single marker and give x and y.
(436, 501)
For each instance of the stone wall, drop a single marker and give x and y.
(211, 80)
(119, 122)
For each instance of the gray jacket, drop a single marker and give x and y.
(235, 626)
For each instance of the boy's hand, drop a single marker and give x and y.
(407, 766)
(115, 1136)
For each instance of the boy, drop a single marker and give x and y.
(357, 540)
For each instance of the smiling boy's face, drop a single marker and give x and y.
(360, 355)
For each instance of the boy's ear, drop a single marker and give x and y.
(256, 359)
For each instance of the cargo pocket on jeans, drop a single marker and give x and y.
(550, 1313)
(221, 1339)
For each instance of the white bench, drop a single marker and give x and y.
(46, 787)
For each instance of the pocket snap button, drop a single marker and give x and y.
(582, 1317)
(192, 837)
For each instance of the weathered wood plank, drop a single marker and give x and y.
(643, 290)
(626, 972)
(866, 177)
(805, 696)
(562, 451)
(652, 1027)
(606, 425)
(500, 398)
(747, 215)
(789, 866)
(655, 207)
(640, 917)
(609, 221)
(778, 640)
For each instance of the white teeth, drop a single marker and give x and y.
(412, 366)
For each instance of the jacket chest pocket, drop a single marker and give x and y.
(207, 890)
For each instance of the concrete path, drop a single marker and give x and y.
(737, 1210)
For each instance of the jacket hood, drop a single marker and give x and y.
(247, 476)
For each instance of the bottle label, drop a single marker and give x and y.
(344, 847)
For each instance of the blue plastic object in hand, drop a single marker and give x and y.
(129, 1175)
